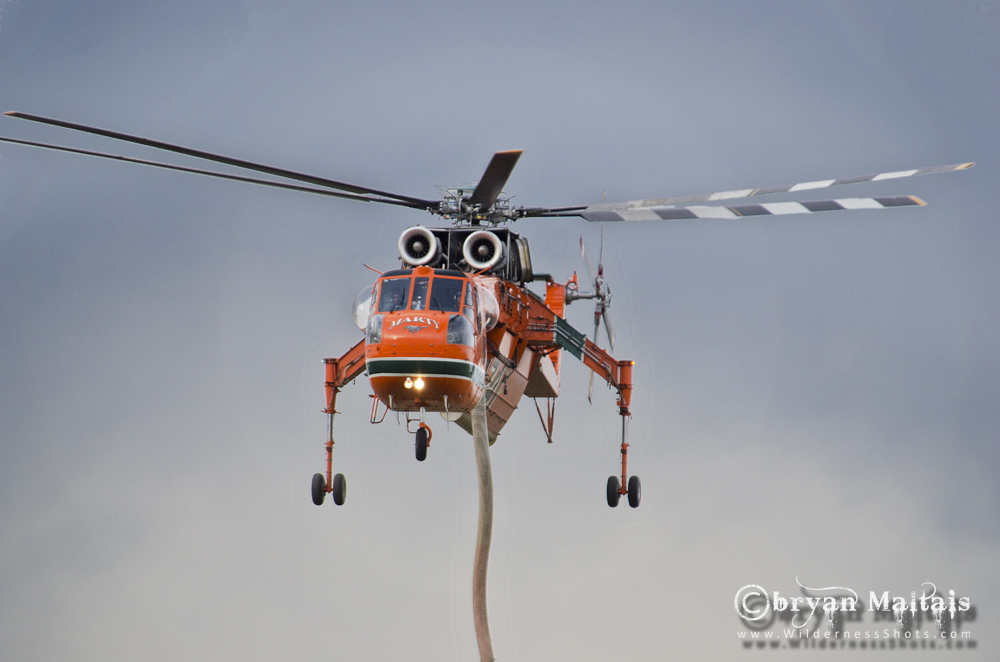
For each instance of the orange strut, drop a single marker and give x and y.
(624, 487)
(329, 466)
(332, 390)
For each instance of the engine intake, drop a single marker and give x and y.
(418, 246)
(482, 250)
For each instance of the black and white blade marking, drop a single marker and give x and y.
(739, 211)
(770, 190)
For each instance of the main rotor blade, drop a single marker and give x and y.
(492, 182)
(209, 173)
(239, 163)
(770, 190)
(536, 212)
(737, 211)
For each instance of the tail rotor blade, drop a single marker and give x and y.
(586, 262)
(608, 326)
(597, 325)
(600, 256)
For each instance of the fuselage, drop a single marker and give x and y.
(424, 345)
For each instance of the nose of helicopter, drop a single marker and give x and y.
(414, 366)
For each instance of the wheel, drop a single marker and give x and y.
(634, 491)
(421, 444)
(318, 489)
(339, 489)
(613, 487)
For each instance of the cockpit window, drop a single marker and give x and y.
(475, 298)
(446, 295)
(371, 309)
(420, 293)
(460, 331)
(393, 297)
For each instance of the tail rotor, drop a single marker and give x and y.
(601, 293)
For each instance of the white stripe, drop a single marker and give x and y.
(729, 195)
(807, 186)
(894, 175)
(859, 203)
(638, 215)
(712, 212)
(786, 208)
(435, 375)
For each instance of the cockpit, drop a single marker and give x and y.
(398, 291)
(437, 290)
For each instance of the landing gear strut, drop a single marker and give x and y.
(337, 484)
(616, 488)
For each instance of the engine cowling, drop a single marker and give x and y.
(418, 246)
(482, 250)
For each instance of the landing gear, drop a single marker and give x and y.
(616, 488)
(336, 484)
(614, 491)
(423, 436)
(340, 490)
(318, 489)
(422, 444)
(634, 491)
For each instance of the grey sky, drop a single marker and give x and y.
(815, 396)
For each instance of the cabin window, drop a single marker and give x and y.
(371, 308)
(395, 292)
(374, 335)
(446, 295)
(461, 332)
(420, 293)
(475, 298)
(468, 310)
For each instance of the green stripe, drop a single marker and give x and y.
(423, 367)
(569, 338)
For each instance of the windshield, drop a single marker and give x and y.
(419, 293)
(443, 294)
(446, 295)
(393, 297)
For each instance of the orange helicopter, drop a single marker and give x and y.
(454, 326)
(457, 324)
